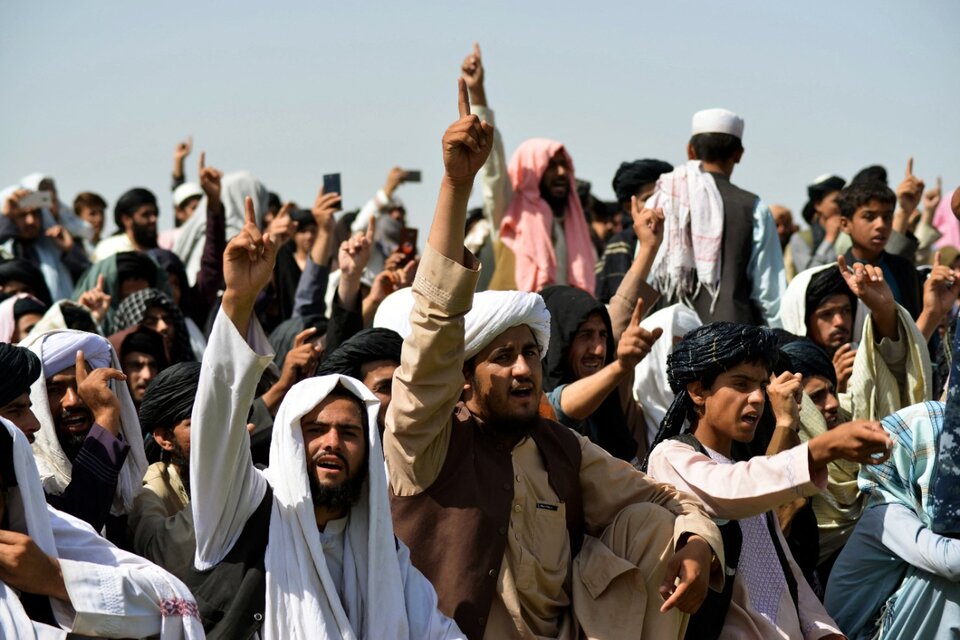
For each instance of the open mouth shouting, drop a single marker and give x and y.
(331, 464)
(75, 421)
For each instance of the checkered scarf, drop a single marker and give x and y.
(133, 309)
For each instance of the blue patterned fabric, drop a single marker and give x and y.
(946, 485)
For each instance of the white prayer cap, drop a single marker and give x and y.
(717, 121)
(494, 312)
(59, 351)
(186, 191)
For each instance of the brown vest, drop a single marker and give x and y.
(733, 302)
(457, 528)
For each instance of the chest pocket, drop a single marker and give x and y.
(545, 551)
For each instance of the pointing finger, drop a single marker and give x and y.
(371, 228)
(303, 336)
(936, 259)
(464, 102)
(100, 281)
(81, 364)
(476, 49)
(939, 185)
(910, 167)
(250, 216)
(203, 160)
(637, 312)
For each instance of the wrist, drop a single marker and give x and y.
(108, 418)
(458, 185)
(478, 96)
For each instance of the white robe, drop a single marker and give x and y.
(113, 593)
(378, 593)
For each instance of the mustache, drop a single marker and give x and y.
(336, 454)
(72, 413)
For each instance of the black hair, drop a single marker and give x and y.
(861, 193)
(715, 147)
(873, 173)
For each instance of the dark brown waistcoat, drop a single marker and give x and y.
(457, 528)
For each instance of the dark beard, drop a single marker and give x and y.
(344, 495)
(182, 463)
(71, 444)
(557, 204)
(145, 235)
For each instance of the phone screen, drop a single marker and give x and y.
(411, 175)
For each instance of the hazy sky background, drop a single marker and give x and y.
(98, 93)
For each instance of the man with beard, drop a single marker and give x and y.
(135, 215)
(536, 212)
(89, 448)
(553, 537)
(307, 544)
(19, 368)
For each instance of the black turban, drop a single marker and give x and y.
(817, 191)
(29, 274)
(19, 368)
(136, 265)
(169, 397)
(808, 359)
(147, 341)
(823, 285)
(704, 354)
(633, 175)
(23, 306)
(130, 201)
(569, 308)
(365, 346)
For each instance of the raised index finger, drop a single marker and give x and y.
(100, 281)
(203, 160)
(910, 167)
(464, 102)
(81, 364)
(637, 312)
(303, 336)
(249, 216)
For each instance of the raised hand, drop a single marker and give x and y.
(785, 393)
(472, 73)
(324, 206)
(394, 178)
(94, 389)
(210, 182)
(249, 259)
(647, 224)
(931, 198)
(282, 227)
(11, 204)
(867, 283)
(96, 300)
(466, 143)
(183, 149)
(910, 190)
(636, 342)
(302, 359)
(843, 359)
(355, 252)
(941, 289)
(60, 237)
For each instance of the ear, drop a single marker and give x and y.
(738, 155)
(467, 392)
(696, 393)
(691, 154)
(164, 438)
(845, 224)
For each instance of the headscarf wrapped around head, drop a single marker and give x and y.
(19, 368)
(19, 270)
(365, 346)
(14, 308)
(133, 310)
(823, 285)
(793, 305)
(527, 224)
(630, 176)
(169, 397)
(142, 340)
(494, 312)
(704, 354)
(807, 358)
(816, 192)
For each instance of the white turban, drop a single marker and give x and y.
(494, 312)
(57, 351)
(60, 351)
(394, 312)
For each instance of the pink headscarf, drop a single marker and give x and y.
(8, 321)
(946, 223)
(527, 224)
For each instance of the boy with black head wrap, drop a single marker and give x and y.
(19, 368)
(720, 374)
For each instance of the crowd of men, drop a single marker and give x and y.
(672, 416)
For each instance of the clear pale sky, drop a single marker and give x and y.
(98, 93)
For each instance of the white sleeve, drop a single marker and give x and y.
(907, 537)
(494, 181)
(767, 274)
(225, 487)
(369, 210)
(113, 593)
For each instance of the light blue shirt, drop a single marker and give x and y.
(765, 268)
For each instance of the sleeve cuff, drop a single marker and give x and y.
(447, 283)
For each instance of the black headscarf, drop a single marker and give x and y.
(630, 176)
(569, 308)
(19, 270)
(817, 191)
(704, 354)
(807, 358)
(824, 284)
(129, 202)
(169, 397)
(23, 306)
(133, 265)
(147, 341)
(19, 368)
(365, 346)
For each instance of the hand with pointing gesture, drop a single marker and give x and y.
(97, 300)
(466, 143)
(210, 183)
(910, 191)
(472, 73)
(249, 259)
(931, 199)
(94, 389)
(636, 342)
